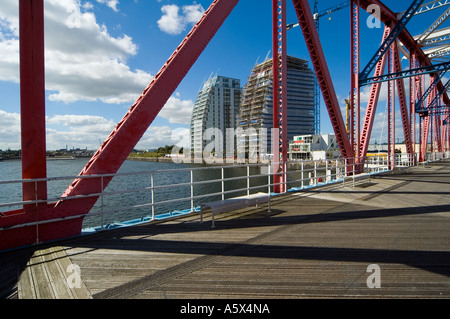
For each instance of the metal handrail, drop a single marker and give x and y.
(343, 166)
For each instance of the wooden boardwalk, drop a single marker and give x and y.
(313, 244)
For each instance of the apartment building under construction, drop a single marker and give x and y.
(255, 118)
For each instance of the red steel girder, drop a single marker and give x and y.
(131, 128)
(355, 107)
(402, 100)
(29, 225)
(438, 128)
(280, 122)
(32, 99)
(414, 89)
(372, 103)
(391, 110)
(425, 129)
(387, 16)
(319, 62)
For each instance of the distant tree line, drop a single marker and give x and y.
(159, 152)
(10, 154)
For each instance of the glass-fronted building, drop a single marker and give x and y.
(216, 109)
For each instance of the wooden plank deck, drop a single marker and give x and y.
(314, 244)
(47, 275)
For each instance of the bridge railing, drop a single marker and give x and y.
(140, 197)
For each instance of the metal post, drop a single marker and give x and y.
(354, 173)
(285, 179)
(37, 210)
(248, 180)
(315, 173)
(153, 196)
(337, 168)
(223, 183)
(192, 190)
(302, 174)
(269, 210)
(102, 204)
(345, 171)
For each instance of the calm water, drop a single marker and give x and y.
(11, 170)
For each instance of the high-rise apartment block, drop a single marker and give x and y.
(255, 117)
(216, 109)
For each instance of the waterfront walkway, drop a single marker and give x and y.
(313, 244)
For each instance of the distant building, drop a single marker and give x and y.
(256, 110)
(216, 109)
(314, 147)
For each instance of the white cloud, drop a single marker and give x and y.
(85, 131)
(193, 13)
(181, 137)
(83, 123)
(110, 3)
(155, 137)
(172, 22)
(83, 61)
(9, 130)
(177, 111)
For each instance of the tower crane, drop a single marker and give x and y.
(317, 15)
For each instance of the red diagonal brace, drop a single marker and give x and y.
(403, 104)
(131, 128)
(314, 46)
(426, 126)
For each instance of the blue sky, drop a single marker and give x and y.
(101, 54)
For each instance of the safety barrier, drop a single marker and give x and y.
(258, 178)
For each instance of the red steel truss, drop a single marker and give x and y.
(355, 109)
(391, 110)
(32, 99)
(36, 223)
(318, 60)
(373, 102)
(403, 102)
(280, 94)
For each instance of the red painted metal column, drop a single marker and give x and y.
(280, 92)
(402, 101)
(355, 122)
(425, 130)
(438, 124)
(372, 103)
(412, 100)
(32, 100)
(431, 123)
(391, 111)
(421, 159)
